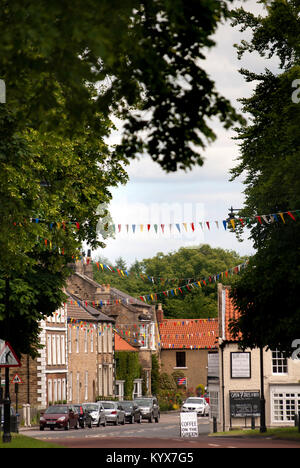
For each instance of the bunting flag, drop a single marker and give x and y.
(231, 223)
(156, 296)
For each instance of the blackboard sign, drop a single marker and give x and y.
(244, 404)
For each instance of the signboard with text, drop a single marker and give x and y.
(240, 365)
(244, 404)
(188, 424)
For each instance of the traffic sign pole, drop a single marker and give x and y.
(6, 429)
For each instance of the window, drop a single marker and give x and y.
(285, 404)
(58, 350)
(279, 363)
(77, 340)
(86, 386)
(71, 386)
(49, 349)
(54, 350)
(92, 340)
(180, 359)
(85, 341)
(70, 340)
(214, 404)
(63, 356)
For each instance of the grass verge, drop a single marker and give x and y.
(287, 433)
(21, 441)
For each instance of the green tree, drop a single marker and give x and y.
(69, 66)
(50, 188)
(177, 269)
(267, 294)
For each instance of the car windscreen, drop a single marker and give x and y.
(108, 405)
(127, 404)
(199, 401)
(143, 402)
(91, 407)
(57, 410)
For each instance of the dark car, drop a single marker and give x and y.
(132, 411)
(85, 419)
(59, 416)
(149, 408)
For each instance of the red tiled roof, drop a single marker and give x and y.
(230, 313)
(122, 345)
(189, 334)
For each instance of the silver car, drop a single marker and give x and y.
(114, 412)
(97, 413)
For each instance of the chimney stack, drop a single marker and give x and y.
(159, 313)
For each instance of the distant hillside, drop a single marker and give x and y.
(169, 271)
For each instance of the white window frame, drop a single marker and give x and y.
(279, 360)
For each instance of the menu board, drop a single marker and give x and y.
(244, 404)
(188, 424)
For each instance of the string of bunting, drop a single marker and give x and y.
(192, 285)
(261, 219)
(207, 225)
(155, 296)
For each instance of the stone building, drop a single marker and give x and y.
(131, 315)
(90, 352)
(235, 392)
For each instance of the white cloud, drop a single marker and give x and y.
(207, 186)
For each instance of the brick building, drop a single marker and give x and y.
(90, 352)
(137, 318)
(186, 345)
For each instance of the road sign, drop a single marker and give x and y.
(16, 379)
(8, 357)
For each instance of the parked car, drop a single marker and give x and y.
(132, 411)
(114, 412)
(85, 419)
(96, 412)
(149, 408)
(60, 416)
(196, 404)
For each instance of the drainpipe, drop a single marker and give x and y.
(223, 385)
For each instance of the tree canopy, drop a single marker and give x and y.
(170, 271)
(267, 294)
(70, 66)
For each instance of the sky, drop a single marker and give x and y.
(203, 194)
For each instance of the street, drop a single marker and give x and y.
(166, 434)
